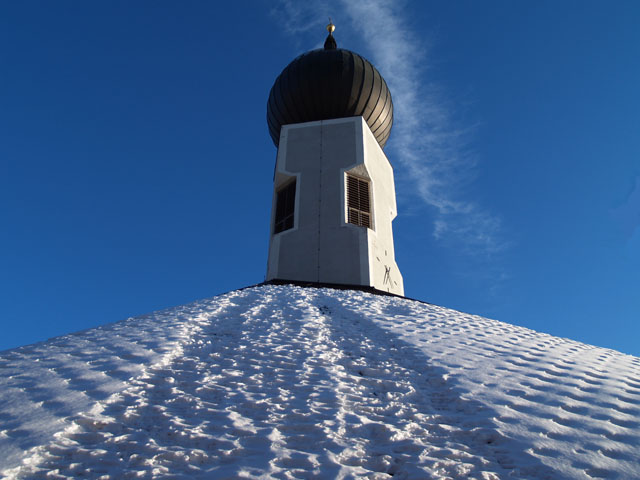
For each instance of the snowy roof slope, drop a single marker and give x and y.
(288, 382)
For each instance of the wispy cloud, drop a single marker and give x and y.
(627, 217)
(432, 152)
(628, 213)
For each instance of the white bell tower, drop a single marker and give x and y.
(330, 113)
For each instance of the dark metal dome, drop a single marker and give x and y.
(330, 83)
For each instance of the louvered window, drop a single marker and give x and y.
(285, 205)
(358, 201)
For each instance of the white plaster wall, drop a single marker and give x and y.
(380, 238)
(322, 246)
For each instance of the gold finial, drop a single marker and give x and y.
(331, 27)
(330, 42)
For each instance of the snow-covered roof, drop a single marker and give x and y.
(290, 382)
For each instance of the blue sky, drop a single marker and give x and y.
(136, 165)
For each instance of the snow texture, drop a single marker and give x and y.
(289, 382)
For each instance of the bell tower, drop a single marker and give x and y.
(330, 114)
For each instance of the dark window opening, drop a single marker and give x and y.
(285, 205)
(358, 201)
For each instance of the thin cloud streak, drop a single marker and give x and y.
(431, 151)
(628, 214)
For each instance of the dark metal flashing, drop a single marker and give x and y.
(336, 286)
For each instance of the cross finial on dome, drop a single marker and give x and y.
(330, 42)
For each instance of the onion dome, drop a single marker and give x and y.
(329, 83)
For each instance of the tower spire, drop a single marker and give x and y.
(330, 42)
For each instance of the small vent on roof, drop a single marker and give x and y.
(285, 206)
(358, 201)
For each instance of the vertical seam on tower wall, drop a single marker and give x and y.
(319, 201)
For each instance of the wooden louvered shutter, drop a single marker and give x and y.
(358, 201)
(285, 206)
